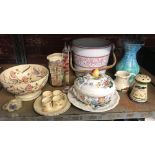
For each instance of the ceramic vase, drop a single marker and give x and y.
(129, 62)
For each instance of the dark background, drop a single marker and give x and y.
(33, 48)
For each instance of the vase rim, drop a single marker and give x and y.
(134, 42)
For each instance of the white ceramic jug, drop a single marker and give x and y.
(122, 80)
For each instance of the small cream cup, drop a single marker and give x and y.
(58, 101)
(47, 102)
(47, 94)
(57, 92)
(56, 98)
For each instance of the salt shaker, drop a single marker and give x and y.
(139, 91)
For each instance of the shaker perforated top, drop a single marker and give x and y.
(143, 78)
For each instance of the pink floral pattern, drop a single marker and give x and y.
(103, 82)
(20, 83)
(91, 62)
(29, 87)
(25, 79)
(13, 74)
(95, 102)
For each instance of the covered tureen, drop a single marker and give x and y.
(94, 89)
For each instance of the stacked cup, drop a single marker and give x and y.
(47, 103)
(58, 98)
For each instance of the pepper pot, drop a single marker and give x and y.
(139, 91)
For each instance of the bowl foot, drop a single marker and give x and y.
(29, 97)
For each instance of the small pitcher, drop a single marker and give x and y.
(122, 81)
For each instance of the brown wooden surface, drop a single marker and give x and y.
(126, 109)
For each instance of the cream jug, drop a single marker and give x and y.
(122, 80)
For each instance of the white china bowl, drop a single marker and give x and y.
(25, 81)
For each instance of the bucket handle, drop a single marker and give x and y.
(100, 68)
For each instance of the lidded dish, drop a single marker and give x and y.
(94, 89)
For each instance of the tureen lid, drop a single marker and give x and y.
(95, 86)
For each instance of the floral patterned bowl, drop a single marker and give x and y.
(25, 81)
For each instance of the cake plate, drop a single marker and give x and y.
(77, 103)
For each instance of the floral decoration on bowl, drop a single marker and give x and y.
(24, 79)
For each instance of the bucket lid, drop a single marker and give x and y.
(91, 43)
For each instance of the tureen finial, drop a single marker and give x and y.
(95, 73)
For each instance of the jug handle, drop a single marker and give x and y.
(100, 68)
